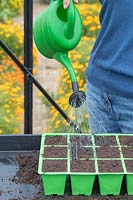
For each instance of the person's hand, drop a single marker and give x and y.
(67, 2)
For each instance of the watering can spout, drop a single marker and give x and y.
(78, 97)
(64, 60)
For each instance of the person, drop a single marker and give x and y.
(110, 70)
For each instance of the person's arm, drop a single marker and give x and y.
(67, 2)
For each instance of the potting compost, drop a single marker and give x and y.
(75, 166)
(19, 180)
(105, 158)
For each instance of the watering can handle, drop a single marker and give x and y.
(69, 28)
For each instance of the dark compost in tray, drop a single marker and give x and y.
(19, 179)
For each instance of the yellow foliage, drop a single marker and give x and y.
(11, 77)
(16, 5)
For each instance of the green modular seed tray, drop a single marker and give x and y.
(82, 182)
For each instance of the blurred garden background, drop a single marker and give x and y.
(49, 73)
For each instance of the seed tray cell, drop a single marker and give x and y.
(55, 140)
(107, 152)
(55, 152)
(59, 165)
(126, 150)
(126, 141)
(84, 153)
(83, 158)
(105, 141)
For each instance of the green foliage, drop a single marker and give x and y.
(11, 79)
(10, 9)
(12, 35)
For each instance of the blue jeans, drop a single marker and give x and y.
(108, 113)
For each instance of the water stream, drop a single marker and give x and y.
(80, 117)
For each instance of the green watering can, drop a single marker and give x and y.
(57, 31)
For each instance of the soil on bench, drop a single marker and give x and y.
(28, 165)
(27, 173)
(28, 168)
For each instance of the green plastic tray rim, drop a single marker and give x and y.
(76, 173)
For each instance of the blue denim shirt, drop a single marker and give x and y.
(111, 63)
